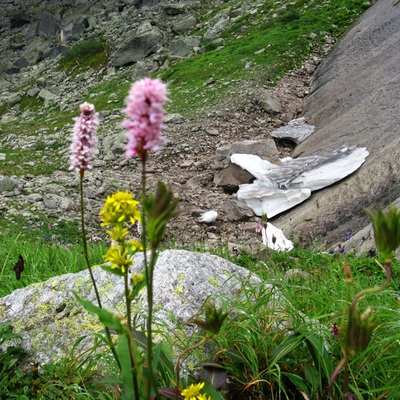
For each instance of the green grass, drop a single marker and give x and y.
(90, 53)
(273, 46)
(276, 341)
(278, 349)
(46, 253)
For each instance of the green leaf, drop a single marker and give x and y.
(286, 347)
(313, 377)
(297, 381)
(160, 208)
(107, 318)
(211, 391)
(126, 367)
(213, 373)
(115, 271)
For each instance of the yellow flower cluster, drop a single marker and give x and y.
(120, 207)
(118, 257)
(192, 392)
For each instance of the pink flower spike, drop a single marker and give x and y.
(84, 138)
(145, 112)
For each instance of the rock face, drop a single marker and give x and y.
(49, 320)
(354, 99)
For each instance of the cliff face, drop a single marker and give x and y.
(354, 100)
(32, 31)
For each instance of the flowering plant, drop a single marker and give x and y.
(134, 351)
(360, 325)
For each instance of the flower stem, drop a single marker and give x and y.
(134, 364)
(86, 256)
(149, 268)
(178, 361)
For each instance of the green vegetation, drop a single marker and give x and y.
(270, 348)
(47, 250)
(90, 53)
(270, 45)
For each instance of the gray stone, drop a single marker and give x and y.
(34, 198)
(173, 9)
(231, 177)
(49, 320)
(296, 131)
(236, 211)
(183, 46)
(353, 98)
(48, 25)
(136, 46)
(270, 104)
(14, 99)
(184, 24)
(7, 184)
(47, 96)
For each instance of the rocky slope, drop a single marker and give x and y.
(32, 39)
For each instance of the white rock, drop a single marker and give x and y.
(264, 200)
(274, 238)
(279, 188)
(297, 130)
(209, 217)
(348, 161)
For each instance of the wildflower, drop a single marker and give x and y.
(145, 112)
(136, 278)
(84, 138)
(348, 234)
(203, 397)
(214, 319)
(118, 233)
(135, 246)
(360, 329)
(335, 329)
(118, 258)
(258, 228)
(192, 392)
(120, 207)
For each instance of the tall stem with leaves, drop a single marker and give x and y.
(360, 326)
(84, 140)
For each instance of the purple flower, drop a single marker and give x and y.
(84, 138)
(335, 329)
(145, 112)
(348, 234)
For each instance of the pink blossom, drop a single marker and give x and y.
(145, 112)
(84, 138)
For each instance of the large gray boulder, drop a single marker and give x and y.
(136, 45)
(49, 320)
(354, 101)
